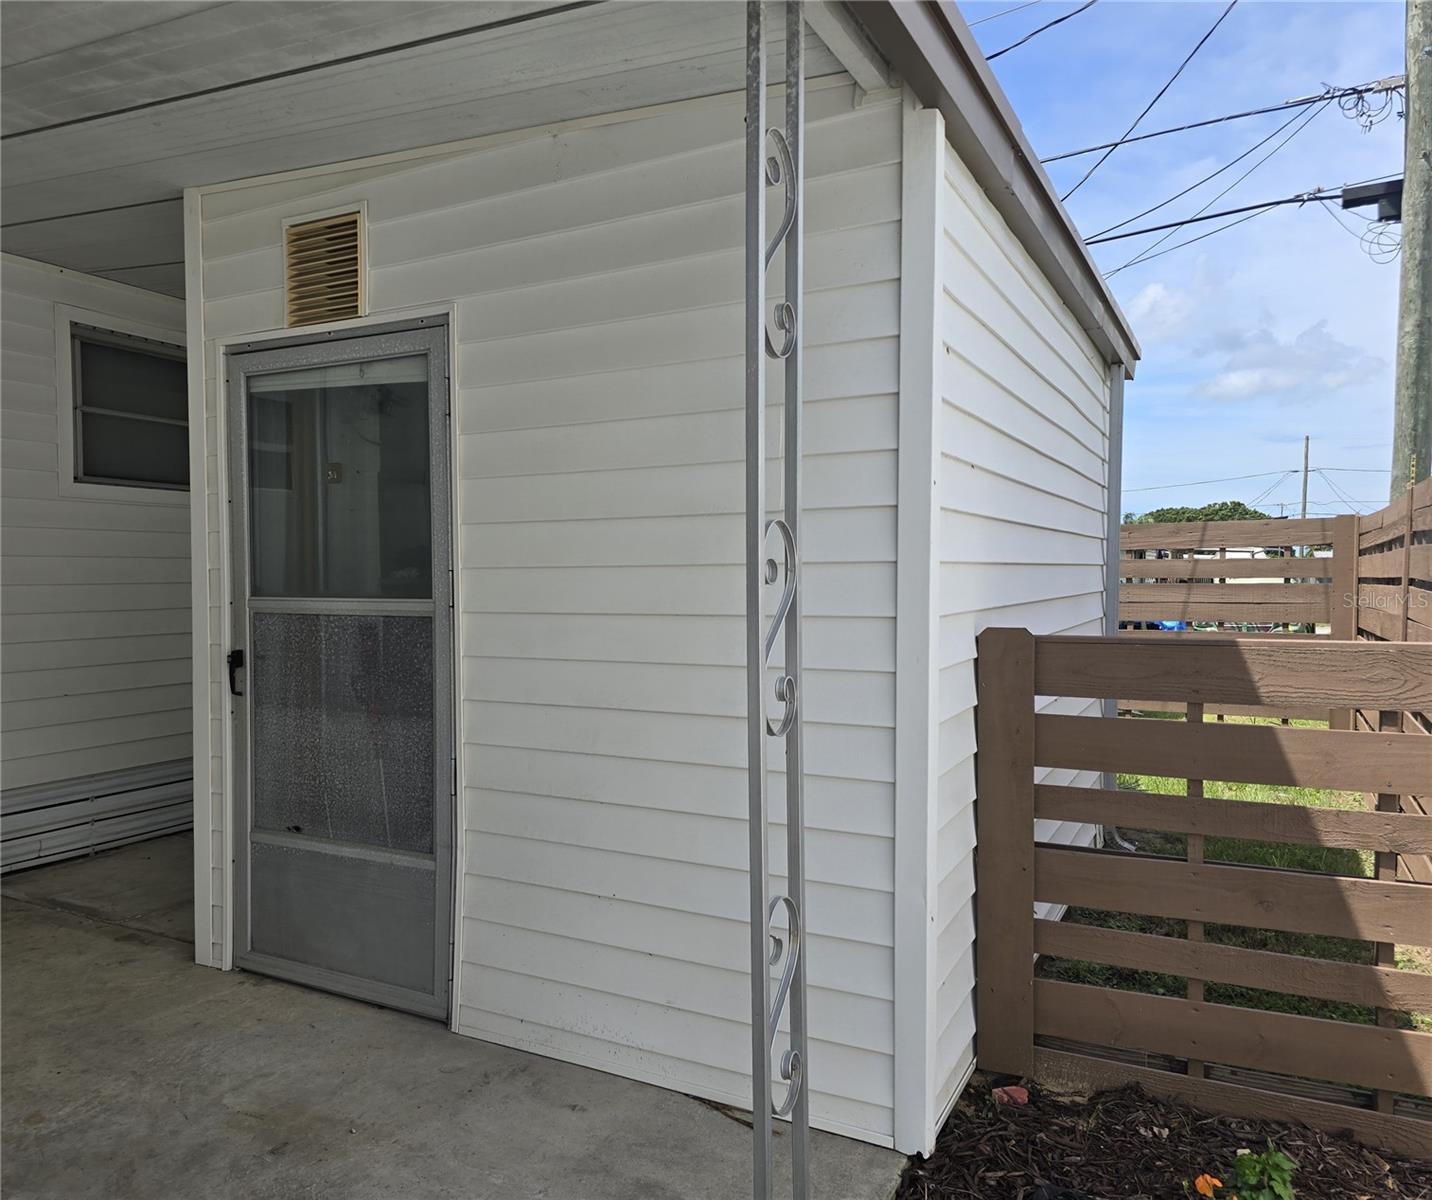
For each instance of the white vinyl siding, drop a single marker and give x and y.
(95, 626)
(1023, 425)
(596, 279)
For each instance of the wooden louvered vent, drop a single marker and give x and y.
(323, 269)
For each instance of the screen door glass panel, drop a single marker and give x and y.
(343, 709)
(345, 712)
(339, 487)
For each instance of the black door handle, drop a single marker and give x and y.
(236, 663)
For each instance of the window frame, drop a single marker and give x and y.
(72, 326)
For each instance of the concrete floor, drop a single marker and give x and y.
(130, 1072)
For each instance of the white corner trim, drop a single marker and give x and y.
(204, 866)
(917, 632)
(65, 316)
(459, 806)
(1113, 515)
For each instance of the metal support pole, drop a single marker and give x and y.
(775, 157)
(791, 482)
(755, 564)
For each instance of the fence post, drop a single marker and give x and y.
(1385, 864)
(1195, 931)
(1406, 596)
(1342, 598)
(1004, 859)
(1343, 616)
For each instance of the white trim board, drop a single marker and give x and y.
(205, 868)
(917, 634)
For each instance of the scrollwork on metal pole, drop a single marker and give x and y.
(775, 158)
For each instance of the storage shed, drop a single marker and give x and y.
(465, 346)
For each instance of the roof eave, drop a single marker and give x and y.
(929, 45)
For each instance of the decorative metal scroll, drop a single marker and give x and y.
(775, 159)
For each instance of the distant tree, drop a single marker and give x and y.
(1219, 510)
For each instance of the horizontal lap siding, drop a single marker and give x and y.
(96, 625)
(1023, 426)
(599, 452)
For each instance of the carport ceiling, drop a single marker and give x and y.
(111, 108)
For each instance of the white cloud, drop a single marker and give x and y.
(1257, 363)
(1158, 311)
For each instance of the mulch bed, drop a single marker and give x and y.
(1124, 1144)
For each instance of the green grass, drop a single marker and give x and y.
(1322, 859)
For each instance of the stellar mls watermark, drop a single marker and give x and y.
(1390, 600)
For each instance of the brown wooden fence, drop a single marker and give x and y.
(1394, 569)
(1393, 593)
(1375, 585)
(1198, 581)
(1222, 1057)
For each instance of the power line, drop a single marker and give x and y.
(1332, 212)
(1303, 198)
(1157, 97)
(1163, 487)
(1212, 175)
(1270, 489)
(1041, 29)
(1391, 83)
(1357, 470)
(1005, 12)
(1140, 259)
(1147, 252)
(1337, 491)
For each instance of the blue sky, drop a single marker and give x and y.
(1280, 327)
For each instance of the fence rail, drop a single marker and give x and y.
(1393, 580)
(1375, 582)
(1060, 1030)
(1287, 590)
(1393, 587)
(1374, 586)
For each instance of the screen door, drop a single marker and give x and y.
(340, 664)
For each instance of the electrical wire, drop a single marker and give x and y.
(1337, 491)
(1362, 110)
(1391, 84)
(1193, 186)
(1301, 198)
(1163, 487)
(1272, 487)
(1029, 36)
(1340, 496)
(1346, 499)
(1357, 470)
(1381, 241)
(1332, 212)
(1005, 12)
(1223, 16)
(1327, 194)
(1306, 118)
(1140, 260)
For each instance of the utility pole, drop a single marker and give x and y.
(1306, 439)
(1412, 415)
